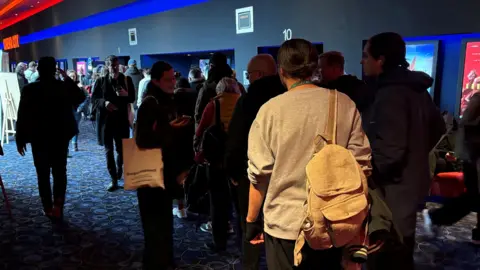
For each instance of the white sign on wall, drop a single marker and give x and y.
(132, 36)
(244, 19)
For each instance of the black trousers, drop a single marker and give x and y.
(457, 208)
(114, 133)
(219, 205)
(280, 256)
(157, 220)
(250, 253)
(51, 156)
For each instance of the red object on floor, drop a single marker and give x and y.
(448, 185)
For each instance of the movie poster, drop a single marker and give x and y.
(421, 57)
(471, 74)
(81, 67)
(204, 67)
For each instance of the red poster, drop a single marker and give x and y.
(471, 73)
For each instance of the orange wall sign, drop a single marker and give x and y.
(12, 42)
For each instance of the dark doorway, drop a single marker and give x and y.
(184, 61)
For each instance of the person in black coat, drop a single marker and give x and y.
(333, 76)
(265, 84)
(111, 97)
(403, 128)
(158, 126)
(49, 136)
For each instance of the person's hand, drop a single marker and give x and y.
(122, 93)
(254, 232)
(21, 148)
(110, 106)
(181, 177)
(180, 122)
(63, 73)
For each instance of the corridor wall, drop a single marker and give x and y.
(340, 24)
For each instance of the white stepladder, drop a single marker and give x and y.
(9, 116)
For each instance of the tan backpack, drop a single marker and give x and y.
(337, 190)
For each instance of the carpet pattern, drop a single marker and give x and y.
(104, 232)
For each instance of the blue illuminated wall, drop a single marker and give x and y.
(338, 24)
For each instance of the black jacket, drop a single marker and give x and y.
(104, 91)
(45, 113)
(136, 76)
(246, 109)
(354, 88)
(22, 81)
(177, 153)
(403, 128)
(197, 84)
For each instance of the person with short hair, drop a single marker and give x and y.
(31, 73)
(403, 128)
(196, 79)
(20, 70)
(111, 97)
(49, 136)
(332, 70)
(134, 73)
(280, 145)
(264, 85)
(158, 126)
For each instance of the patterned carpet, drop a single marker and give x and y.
(104, 231)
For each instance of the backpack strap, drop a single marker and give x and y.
(331, 128)
(329, 136)
(218, 121)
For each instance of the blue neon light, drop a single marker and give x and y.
(127, 12)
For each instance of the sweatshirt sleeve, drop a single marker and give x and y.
(260, 156)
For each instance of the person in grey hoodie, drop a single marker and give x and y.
(134, 73)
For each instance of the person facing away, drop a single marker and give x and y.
(403, 127)
(332, 70)
(20, 70)
(142, 86)
(158, 126)
(228, 92)
(280, 145)
(111, 97)
(196, 79)
(219, 69)
(31, 73)
(264, 85)
(78, 110)
(49, 136)
(134, 73)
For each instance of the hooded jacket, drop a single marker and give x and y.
(246, 109)
(136, 76)
(403, 127)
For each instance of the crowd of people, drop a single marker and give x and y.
(252, 150)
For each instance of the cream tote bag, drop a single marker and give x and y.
(142, 167)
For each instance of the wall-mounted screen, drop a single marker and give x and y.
(422, 56)
(471, 73)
